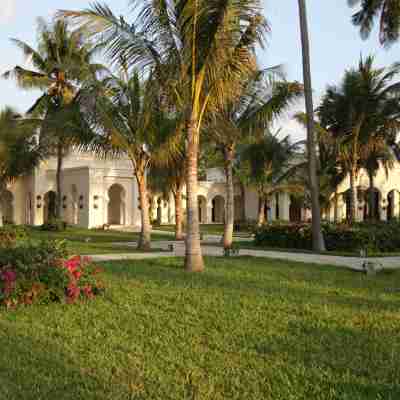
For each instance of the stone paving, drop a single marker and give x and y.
(354, 263)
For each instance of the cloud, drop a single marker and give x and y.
(7, 10)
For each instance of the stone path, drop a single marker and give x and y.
(354, 263)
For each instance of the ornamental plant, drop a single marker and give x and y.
(42, 273)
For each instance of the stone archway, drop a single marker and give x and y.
(218, 210)
(295, 209)
(7, 206)
(116, 205)
(372, 204)
(202, 209)
(50, 205)
(238, 208)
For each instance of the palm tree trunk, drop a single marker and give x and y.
(230, 198)
(194, 259)
(243, 208)
(353, 195)
(318, 239)
(60, 160)
(178, 214)
(261, 211)
(145, 234)
(1, 209)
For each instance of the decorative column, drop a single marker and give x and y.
(341, 208)
(383, 206)
(209, 213)
(396, 203)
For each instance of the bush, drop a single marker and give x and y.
(42, 273)
(375, 237)
(11, 235)
(54, 225)
(246, 226)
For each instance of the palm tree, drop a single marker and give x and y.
(200, 48)
(318, 239)
(245, 119)
(19, 152)
(362, 110)
(170, 178)
(263, 165)
(386, 12)
(130, 120)
(62, 61)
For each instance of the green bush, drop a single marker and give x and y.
(375, 237)
(11, 235)
(54, 225)
(42, 273)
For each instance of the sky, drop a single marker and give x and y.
(335, 43)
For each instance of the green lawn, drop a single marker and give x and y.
(91, 242)
(208, 229)
(245, 329)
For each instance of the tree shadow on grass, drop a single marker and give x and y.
(336, 362)
(32, 369)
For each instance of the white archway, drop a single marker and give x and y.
(218, 209)
(49, 210)
(116, 205)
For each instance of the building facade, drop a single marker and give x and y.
(98, 192)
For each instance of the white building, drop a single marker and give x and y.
(98, 192)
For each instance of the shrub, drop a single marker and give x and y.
(375, 237)
(54, 225)
(42, 273)
(11, 235)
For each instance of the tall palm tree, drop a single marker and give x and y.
(362, 110)
(386, 12)
(19, 151)
(130, 120)
(61, 62)
(244, 119)
(318, 239)
(200, 48)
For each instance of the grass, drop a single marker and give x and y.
(207, 229)
(94, 242)
(244, 329)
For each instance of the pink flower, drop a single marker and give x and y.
(9, 276)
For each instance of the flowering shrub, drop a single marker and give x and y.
(42, 273)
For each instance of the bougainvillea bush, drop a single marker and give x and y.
(43, 273)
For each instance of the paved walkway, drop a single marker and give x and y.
(354, 263)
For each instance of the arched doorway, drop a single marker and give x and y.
(50, 205)
(7, 200)
(218, 210)
(202, 209)
(116, 205)
(372, 204)
(295, 209)
(239, 208)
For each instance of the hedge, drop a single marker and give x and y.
(374, 237)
